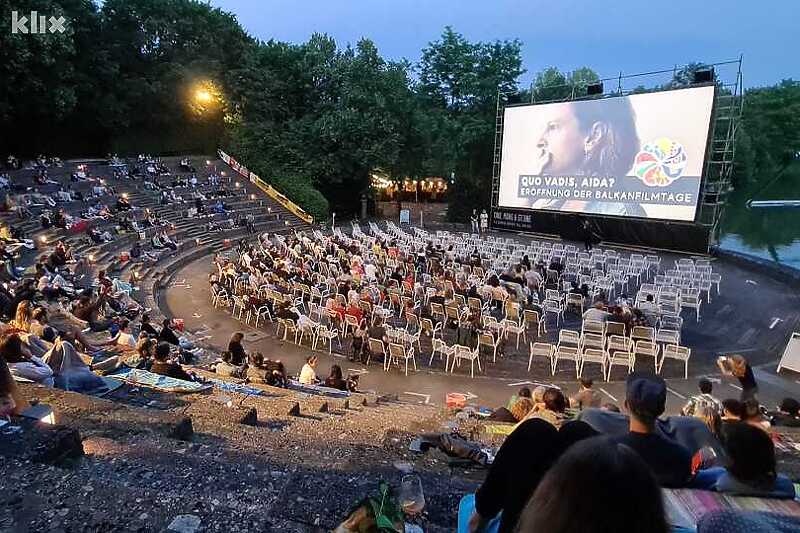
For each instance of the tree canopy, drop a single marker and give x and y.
(314, 118)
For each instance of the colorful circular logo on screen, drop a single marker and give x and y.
(660, 162)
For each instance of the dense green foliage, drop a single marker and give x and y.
(314, 119)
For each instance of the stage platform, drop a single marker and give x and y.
(753, 315)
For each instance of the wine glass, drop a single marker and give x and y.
(412, 498)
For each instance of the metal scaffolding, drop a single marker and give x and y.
(720, 151)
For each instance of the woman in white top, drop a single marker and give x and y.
(308, 376)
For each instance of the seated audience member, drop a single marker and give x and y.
(123, 339)
(308, 374)
(554, 407)
(141, 358)
(645, 401)
(752, 414)
(11, 400)
(227, 368)
(70, 371)
(732, 410)
(505, 488)
(517, 408)
(336, 381)
(88, 309)
(21, 363)
(168, 335)
(710, 418)
(705, 398)
(596, 312)
(238, 355)
(751, 469)
(163, 366)
(787, 415)
(586, 396)
(147, 327)
(583, 490)
(260, 370)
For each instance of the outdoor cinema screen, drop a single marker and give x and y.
(633, 156)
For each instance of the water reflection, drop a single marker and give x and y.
(769, 233)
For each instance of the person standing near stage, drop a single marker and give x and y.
(474, 221)
(484, 221)
(588, 235)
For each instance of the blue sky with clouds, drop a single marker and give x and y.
(611, 36)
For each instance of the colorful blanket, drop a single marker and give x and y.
(227, 386)
(686, 506)
(144, 378)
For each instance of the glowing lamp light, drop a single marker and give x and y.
(252, 196)
(238, 184)
(208, 162)
(203, 96)
(286, 222)
(125, 195)
(197, 241)
(222, 173)
(269, 210)
(91, 258)
(43, 239)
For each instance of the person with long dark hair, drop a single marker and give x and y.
(583, 491)
(519, 466)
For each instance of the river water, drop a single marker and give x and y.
(772, 233)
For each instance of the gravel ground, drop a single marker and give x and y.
(286, 474)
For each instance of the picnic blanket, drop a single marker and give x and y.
(227, 386)
(158, 382)
(317, 390)
(685, 507)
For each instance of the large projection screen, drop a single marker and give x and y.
(634, 156)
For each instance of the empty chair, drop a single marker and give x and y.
(398, 352)
(464, 353)
(488, 340)
(554, 307)
(567, 353)
(593, 326)
(615, 328)
(668, 336)
(619, 350)
(692, 301)
(444, 351)
(678, 353)
(568, 337)
(324, 332)
(593, 355)
(643, 333)
(646, 349)
(543, 350)
(593, 340)
(510, 326)
(530, 318)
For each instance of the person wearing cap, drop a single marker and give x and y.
(645, 401)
